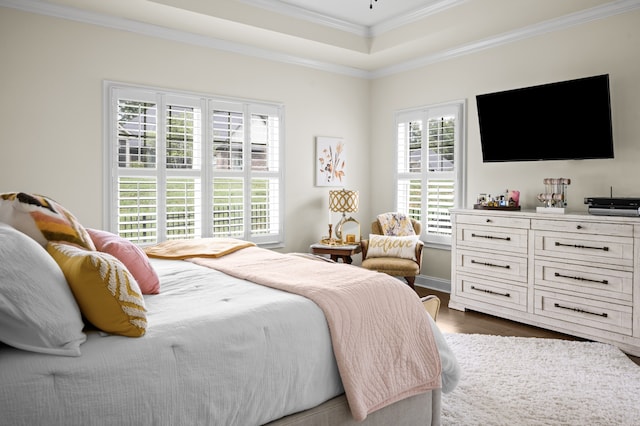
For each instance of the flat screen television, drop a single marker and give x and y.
(567, 120)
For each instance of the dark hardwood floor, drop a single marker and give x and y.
(453, 321)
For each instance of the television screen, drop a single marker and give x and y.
(567, 120)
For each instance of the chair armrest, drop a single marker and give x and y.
(419, 247)
(364, 244)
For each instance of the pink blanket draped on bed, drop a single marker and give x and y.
(380, 360)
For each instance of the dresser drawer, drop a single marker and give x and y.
(607, 283)
(489, 220)
(492, 265)
(573, 273)
(498, 294)
(606, 316)
(603, 249)
(583, 227)
(511, 240)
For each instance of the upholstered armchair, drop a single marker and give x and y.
(404, 266)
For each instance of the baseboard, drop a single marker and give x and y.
(433, 283)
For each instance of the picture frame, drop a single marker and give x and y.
(331, 161)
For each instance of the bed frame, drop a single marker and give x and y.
(423, 409)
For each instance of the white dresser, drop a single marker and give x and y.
(578, 274)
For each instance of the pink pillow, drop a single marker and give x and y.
(132, 256)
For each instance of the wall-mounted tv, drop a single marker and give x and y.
(567, 120)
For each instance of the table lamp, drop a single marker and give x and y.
(343, 201)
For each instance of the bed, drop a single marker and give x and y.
(217, 349)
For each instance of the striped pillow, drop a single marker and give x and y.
(42, 219)
(106, 292)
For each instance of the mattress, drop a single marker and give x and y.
(218, 350)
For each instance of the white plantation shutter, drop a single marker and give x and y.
(135, 165)
(265, 196)
(176, 166)
(430, 147)
(440, 198)
(228, 135)
(183, 208)
(265, 207)
(246, 168)
(137, 209)
(227, 121)
(183, 170)
(228, 207)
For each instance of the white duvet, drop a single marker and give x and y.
(218, 351)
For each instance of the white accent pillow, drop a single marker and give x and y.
(38, 312)
(392, 246)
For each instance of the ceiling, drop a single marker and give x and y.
(343, 36)
(358, 12)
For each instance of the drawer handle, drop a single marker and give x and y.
(579, 227)
(582, 311)
(605, 248)
(490, 291)
(582, 279)
(488, 220)
(490, 264)
(491, 237)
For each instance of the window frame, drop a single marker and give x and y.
(113, 91)
(423, 113)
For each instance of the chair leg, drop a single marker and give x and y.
(411, 281)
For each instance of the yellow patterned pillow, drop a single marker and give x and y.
(42, 219)
(107, 294)
(390, 246)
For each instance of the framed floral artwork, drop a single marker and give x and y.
(331, 162)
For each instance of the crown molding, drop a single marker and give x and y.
(360, 30)
(567, 21)
(416, 15)
(563, 22)
(310, 16)
(73, 14)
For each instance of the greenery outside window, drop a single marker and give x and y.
(183, 165)
(430, 146)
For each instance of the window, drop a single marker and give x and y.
(182, 165)
(430, 167)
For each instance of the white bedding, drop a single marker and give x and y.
(218, 351)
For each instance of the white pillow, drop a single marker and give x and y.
(38, 312)
(392, 246)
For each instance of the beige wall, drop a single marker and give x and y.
(606, 46)
(51, 112)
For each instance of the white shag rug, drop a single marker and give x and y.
(535, 381)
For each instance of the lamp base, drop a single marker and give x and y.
(340, 225)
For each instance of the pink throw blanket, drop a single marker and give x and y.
(382, 340)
